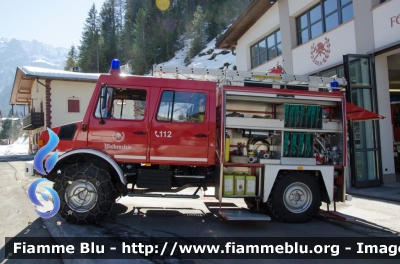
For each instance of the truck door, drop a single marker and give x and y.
(179, 131)
(120, 126)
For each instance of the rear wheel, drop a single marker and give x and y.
(295, 197)
(86, 193)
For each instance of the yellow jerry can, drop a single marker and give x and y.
(228, 185)
(239, 185)
(250, 187)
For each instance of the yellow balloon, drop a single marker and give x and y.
(162, 4)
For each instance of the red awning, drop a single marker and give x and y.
(356, 113)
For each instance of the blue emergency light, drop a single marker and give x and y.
(115, 64)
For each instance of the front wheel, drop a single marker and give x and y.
(86, 193)
(295, 197)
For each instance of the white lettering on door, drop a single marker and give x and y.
(164, 134)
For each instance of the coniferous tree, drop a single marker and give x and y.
(89, 49)
(127, 37)
(72, 60)
(5, 128)
(109, 34)
(10, 129)
(140, 62)
(138, 33)
(197, 32)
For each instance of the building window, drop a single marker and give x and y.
(338, 71)
(323, 17)
(73, 106)
(266, 49)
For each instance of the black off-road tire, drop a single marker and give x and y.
(86, 193)
(295, 197)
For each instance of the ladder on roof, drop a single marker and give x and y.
(234, 77)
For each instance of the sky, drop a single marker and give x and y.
(54, 22)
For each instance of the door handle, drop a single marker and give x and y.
(139, 132)
(201, 135)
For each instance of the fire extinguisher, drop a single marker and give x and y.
(227, 146)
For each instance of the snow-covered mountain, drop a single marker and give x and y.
(14, 53)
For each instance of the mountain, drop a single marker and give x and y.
(16, 53)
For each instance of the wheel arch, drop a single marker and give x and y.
(91, 156)
(325, 181)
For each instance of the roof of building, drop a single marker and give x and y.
(9, 118)
(41, 73)
(26, 75)
(246, 20)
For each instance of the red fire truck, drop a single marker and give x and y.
(276, 140)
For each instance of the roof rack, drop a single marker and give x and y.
(234, 77)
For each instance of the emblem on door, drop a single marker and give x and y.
(118, 137)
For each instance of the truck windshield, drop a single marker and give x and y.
(121, 103)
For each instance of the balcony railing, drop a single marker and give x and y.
(33, 121)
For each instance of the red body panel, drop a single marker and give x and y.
(148, 140)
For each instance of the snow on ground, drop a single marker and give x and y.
(19, 147)
(202, 61)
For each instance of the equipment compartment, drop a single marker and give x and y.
(242, 180)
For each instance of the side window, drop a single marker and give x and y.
(122, 103)
(104, 103)
(187, 107)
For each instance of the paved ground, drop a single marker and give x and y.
(185, 217)
(387, 192)
(17, 214)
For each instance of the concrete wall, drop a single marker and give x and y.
(266, 25)
(339, 41)
(297, 7)
(385, 125)
(363, 23)
(386, 26)
(61, 91)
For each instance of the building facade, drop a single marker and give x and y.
(354, 39)
(53, 98)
